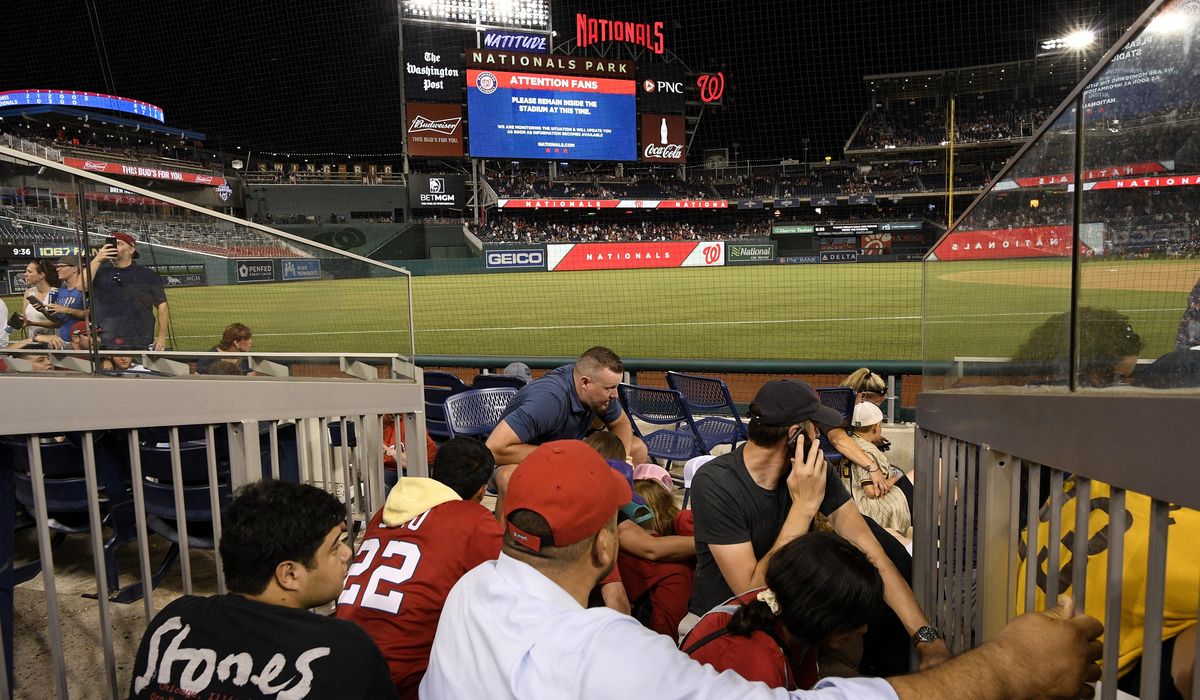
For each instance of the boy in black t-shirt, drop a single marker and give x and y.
(282, 551)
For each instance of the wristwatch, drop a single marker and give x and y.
(926, 634)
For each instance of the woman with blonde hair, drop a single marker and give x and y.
(867, 386)
(871, 388)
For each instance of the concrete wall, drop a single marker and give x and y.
(322, 200)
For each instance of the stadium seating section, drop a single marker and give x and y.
(47, 226)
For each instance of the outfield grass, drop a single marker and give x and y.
(852, 311)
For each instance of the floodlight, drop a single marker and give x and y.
(1169, 23)
(1079, 39)
(533, 14)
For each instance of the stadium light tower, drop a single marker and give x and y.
(531, 15)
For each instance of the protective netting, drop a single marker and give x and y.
(810, 188)
(1011, 291)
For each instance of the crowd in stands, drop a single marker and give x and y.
(822, 181)
(923, 124)
(519, 230)
(525, 184)
(533, 596)
(191, 232)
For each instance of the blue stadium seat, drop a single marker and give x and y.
(158, 484)
(662, 407)
(493, 381)
(840, 399)
(439, 386)
(67, 498)
(476, 412)
(710, 395)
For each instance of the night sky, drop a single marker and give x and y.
(322, 77)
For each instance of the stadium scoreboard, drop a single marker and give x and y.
(551, 107)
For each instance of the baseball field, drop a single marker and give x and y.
(851, 311)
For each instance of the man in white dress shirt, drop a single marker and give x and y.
(519, 628)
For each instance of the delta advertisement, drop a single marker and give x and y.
(632, 256)
(538, 116)
(1036, 242)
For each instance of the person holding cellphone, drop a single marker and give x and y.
(42, 289)
(127, 297)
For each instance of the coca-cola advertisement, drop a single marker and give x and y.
(663, 137)
(434, 129)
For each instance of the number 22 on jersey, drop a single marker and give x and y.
(397, 563)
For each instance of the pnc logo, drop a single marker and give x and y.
(665, 86)
(712, 86)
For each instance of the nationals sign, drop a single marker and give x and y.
(99, 166)
(591, 30)
(1037, 242)
(612, 203)
(629, 256)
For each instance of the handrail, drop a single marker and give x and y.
(645, 364)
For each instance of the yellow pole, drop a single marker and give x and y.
(950, 165)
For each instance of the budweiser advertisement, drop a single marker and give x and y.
(99, 166)
(663, 137)
(434, 129)
(631, 256)
(612, 203)
(1037, 242)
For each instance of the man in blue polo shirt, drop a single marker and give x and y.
(563, 406)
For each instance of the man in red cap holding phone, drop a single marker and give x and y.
(518, 627)
(127, 297)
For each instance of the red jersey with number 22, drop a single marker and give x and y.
(400, 578)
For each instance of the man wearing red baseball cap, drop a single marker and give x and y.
(518, 627)
(127, 297)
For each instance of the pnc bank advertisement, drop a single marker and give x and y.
(564, 117)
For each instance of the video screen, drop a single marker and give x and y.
(562, 117)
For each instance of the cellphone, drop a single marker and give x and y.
(111, 240)
(800, 435)
(15, 321)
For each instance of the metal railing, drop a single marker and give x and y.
(242, 429)
(995, 472)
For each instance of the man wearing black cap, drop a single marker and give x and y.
(518, 627)
(126, 297)
(752, 501)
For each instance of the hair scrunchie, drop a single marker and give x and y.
(767, 596)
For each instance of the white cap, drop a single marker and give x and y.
(866, 414)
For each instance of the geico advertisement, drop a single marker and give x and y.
(514, 258)
(627, 256)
